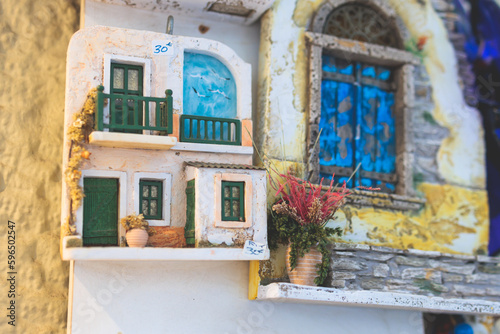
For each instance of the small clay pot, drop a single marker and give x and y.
(137, 237)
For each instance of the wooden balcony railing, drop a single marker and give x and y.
(210, 130)
(133, 114)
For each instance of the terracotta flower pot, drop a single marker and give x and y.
(306, 270)
(137, 237)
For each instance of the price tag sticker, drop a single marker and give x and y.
(162, 48)
(253, 248)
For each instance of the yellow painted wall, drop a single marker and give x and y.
(34, 36)
(452, 215)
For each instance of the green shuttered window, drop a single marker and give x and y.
(233, 201)
(151, 194)
(189, 229)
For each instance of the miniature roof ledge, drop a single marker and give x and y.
(239, 12)
(286, 292)
(198, 164)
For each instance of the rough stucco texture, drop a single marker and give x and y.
(34, 36)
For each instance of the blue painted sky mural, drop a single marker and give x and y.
(209, 87)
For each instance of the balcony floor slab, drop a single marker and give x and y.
(132, 140)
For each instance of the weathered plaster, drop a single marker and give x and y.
(461, 156)
(304, 10)
(283, 115)
(199, 8)
(455, 220)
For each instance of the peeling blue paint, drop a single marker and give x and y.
(357, 120)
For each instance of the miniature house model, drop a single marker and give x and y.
(182, 159)
(177, 127)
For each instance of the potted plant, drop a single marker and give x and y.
(137, 230)
(300, 216)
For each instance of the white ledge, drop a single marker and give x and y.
(212, 148)
(157, 254)
(131, 140)
(286, 292)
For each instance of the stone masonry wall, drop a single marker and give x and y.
(363, 267)
(427, 133)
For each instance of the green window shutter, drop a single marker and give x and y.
(150, 199)
(126, 80)
(190, 214)
(100, 212)
(233, 201)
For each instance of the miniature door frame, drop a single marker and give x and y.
(126, 60)
(122, 197)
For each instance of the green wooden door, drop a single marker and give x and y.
(100, 212)
(190, 208)
(127, 80)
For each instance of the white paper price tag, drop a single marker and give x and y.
(162, 48)
(253, 248)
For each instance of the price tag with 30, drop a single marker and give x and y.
(162, 48)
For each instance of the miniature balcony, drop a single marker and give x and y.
(210, 130)
(132, 121)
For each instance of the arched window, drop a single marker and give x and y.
(363, 23)
(209, 87)
(360, 93)
(209, 104)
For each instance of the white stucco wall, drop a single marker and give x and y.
(207, 297)
(207, 206)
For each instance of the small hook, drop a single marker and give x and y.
(170, 25)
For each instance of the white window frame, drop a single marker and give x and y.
(248, 197)
(166, 180)
(122, 197)
(145, 63)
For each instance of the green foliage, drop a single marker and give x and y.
(285, 230)
(136, 221)
(429, 118)
(416, 46)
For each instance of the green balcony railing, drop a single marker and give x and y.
(210, 130)
(131, 113)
